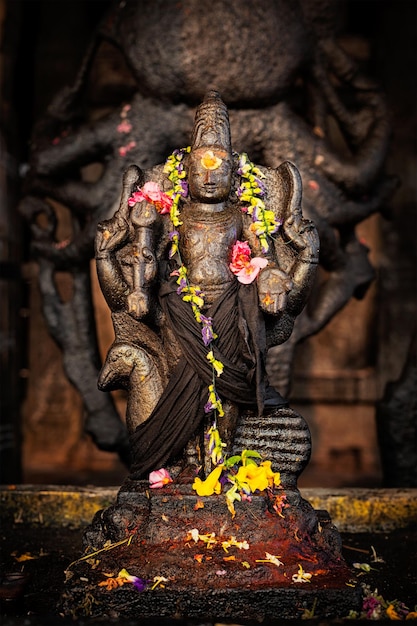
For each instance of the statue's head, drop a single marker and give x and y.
(210, 159)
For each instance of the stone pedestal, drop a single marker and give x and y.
(212, 565)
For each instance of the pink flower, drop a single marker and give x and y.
(241, 254)
(160, 199)
(137, 196)
(124, 127)
(151, 192)
(123, 150)
(243, 267)
(249, 273)
(159, 478)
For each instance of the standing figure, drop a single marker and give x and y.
(206, 283)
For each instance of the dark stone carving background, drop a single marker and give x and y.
(387, 317)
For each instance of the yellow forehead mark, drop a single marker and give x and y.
(210, 161)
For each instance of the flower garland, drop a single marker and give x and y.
(251, 193)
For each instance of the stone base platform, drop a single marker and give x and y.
(198, 561)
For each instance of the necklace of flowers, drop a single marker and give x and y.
(251, 193)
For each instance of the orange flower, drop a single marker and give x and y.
(392, 613)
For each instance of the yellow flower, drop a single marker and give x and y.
(217, 365)
(210, 161)
(210, 485)
(242, 545)
(273, 477)
(301, 576)
(258, 476)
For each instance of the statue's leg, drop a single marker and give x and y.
(281, 436)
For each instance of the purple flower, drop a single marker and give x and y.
(140, 583)
(182, 285)
(255, 214)
(261, 186)
(184, 188)
(207, 335)
(173, 234)
(223, 480)
(278, 224)
(369, 605)
(207, 329)
(208, 407)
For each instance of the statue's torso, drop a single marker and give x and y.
(206, 243)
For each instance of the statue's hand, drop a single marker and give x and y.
(273, 286)
(303, 236)
(138, 304)
(112, 234)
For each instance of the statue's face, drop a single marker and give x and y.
(209, 174)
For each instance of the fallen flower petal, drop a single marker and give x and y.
(194, 534)
(365, 567)
(392, 613)
(24, 557)
(375, 558)
(159, 478)
(208, 539)
(111, 583)
(301, 576)
(242, 545)
(158, 580)
(270, 558)
(139, 583)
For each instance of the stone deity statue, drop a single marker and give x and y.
(205, 266)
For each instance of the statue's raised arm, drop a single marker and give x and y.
(113, 239)
(285, 284)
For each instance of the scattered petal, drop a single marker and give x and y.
(270, 558)
(159, 478)
(301, 576)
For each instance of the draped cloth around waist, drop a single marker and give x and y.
(240, 346)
